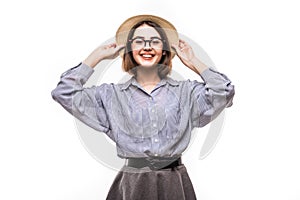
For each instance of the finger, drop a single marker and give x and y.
(184, 46)
(108, 46)
(181, 47)
(184, 43)
(176, 48)
(120, 47)
(112, 45)
(181, 44)
(181, 41)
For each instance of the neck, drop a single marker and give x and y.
(147, 76)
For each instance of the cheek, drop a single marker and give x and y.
(159, 54)
(135, 54)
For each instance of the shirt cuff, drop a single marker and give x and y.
(210, 74)
(207, 74)
(85, 70)
(81, 68)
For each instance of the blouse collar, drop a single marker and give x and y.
(133, 81)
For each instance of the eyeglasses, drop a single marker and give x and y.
(139, 43)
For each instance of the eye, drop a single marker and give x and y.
(138, 41)
(156, 41)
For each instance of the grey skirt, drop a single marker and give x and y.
(146, 184)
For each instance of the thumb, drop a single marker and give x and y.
(176, 48)
(120, 47)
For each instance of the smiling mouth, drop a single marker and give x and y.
(147, 56)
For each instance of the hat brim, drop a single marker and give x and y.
(127, 25)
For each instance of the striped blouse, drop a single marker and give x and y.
(156, 124)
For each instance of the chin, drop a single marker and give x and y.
(149, 64)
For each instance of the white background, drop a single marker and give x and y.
(255, 43)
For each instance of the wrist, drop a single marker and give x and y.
(198, 64)
(92, 62)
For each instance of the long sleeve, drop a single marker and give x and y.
(83, 103)
(210, 97)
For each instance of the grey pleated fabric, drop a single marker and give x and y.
(145, 184)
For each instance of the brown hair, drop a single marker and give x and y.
(165, 64)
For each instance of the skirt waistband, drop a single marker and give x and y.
(153, 164)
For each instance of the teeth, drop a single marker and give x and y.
(147, 56)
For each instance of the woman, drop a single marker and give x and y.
(150, 117)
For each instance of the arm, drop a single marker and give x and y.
(210, 97)
(86, 104)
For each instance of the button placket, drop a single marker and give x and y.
(152, 113)
(154, 120)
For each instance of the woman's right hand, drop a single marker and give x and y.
(102, 52)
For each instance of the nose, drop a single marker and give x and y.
(147, 45)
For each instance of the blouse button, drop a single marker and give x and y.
(154, 125)
(156, 154)
(155, 140)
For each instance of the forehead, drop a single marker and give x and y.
(146, 31)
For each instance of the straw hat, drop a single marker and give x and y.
(127, 25)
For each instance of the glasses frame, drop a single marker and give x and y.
(145, 41)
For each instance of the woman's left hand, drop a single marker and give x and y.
(186, 54)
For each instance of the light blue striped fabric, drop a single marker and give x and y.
(142, 124)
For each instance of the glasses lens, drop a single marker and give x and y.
(138, 43)
(156, 43)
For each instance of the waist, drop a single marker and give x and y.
(154, 164)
